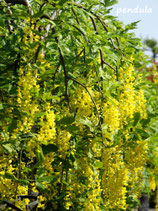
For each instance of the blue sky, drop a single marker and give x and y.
(144, 10)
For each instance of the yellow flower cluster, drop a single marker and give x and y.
(83, 103)
(152, 183)
(114, 178)
(123, 162)
(9, 189)
(47, 131)
(135, 159)
(26, 102)
(93, 199)
(42, 129)
(130, 101)
(112, 115)
(63, 140)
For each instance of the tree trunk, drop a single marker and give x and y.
(144, 203)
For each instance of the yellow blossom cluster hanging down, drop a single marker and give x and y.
(124, 160)
(42, 126)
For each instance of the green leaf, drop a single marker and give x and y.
(39, 114)
(38, 14)
(52, 22)
(98, 165)
(8, 147)
(48, 179)
(132, 25)
(49, 148)
(144, 135)
(65, 183)
(88, 123)
(40, 155)
(109, 3)
(144, 122)
(10, 176)
(1, 106)
(67, 120)
(24, 181)
(136, 118)
(72, 129)
(40, 186)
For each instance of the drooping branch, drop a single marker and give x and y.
(101, 58)
(78, 29)
(109, 65)
(117, 77)
(96, 16)
(65, 74)
(56, 72)
(23, 2)
(99, 120)
(66, 78)
(75, 16)
(94, 25)
(104, 62)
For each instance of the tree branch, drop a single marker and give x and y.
(109, 65)
(95, 15)
(56, 72)
(65, 74)
(75, 16)
(99, 123)
(23, 2)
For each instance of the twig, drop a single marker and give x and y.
(56, 71)
(80, 31)
(80, 53)
(75, 16)
(60, 101)
(109, 65)
(66, 79)
(84, 52)
(117, 73)
(65, 74)
(94, 25)
(101, 58)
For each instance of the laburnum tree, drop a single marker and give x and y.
(73, 113)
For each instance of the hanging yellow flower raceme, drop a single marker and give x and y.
(123, 163)
(28, 123)
(114, 178)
